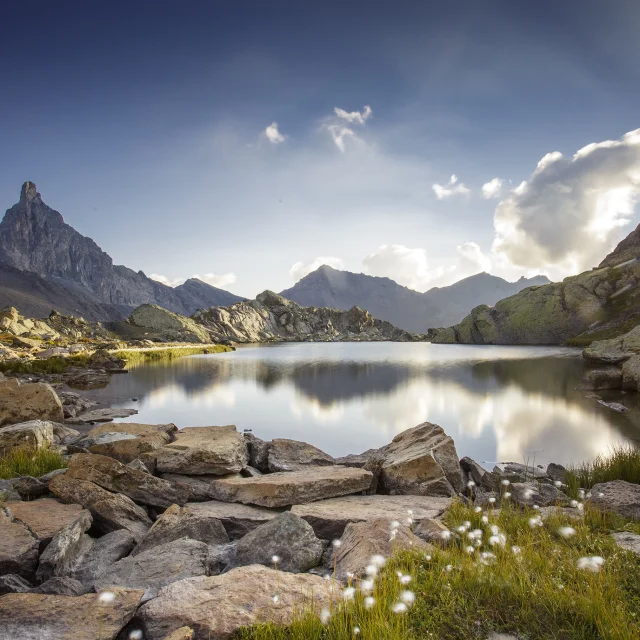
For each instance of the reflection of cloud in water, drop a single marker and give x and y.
(209, 397)
(302, 405)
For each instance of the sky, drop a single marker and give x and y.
(249, 142)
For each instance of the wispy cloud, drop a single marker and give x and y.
(452, 188)
(300, 269)
(215, 280)
(357, 117)
(338, 134)
(273, 134)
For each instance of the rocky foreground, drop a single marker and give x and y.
(199, 531)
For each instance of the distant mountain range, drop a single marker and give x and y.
(403, 307)
(45, 264)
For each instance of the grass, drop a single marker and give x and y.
(29, 462)
(167, 353)
(536, 592)
(57, 364)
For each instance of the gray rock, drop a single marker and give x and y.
(62, 586)
(617, 496)
(286, 536)
(517, 472)
(7, 492)
(35, 434)
(614, 406)
(542, 495)
(258, 452)
(556, 472)
(65, 435)
(103, 415)
(29, 488)
(627, 540)
(48, 476)
(250, 472)
(12, 583)
(605, 378)
(197, 487)
(32, 401)
(293, 455)
(631, 373)
(18, 549)
(138, 465)
(433, 531)
(484, 479)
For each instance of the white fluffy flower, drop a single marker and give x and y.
(408, 597)
(377, 560)
(106, 597)
(275, 559)
(325, 615)
(399, 607)
(349, 593)
(369, 602)
(566, 532)
(591, 563)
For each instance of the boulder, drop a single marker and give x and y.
(292, 487)
(173, 326)
(64, 435)
(103, 415)
(102, 359)
(35, 434)
(28, 401)
(628, 541)
(29, 488)
(131, 447)
(286, 536)
(197, 487)
(631, 373)
(157, 567)
(617, 496)
(133, 428)
(556, 472)
(89, 380)
(542, 495)
(203, 450)
(330, 517)
(432, 531)
(118, 478)
(604, 378)
(37, 616)
(45, 518)
(64, 549)
(240, 598)
(110, 511)
(293, 455)
(62, 586)
(12, 583)
(18, 549)
(615, 350)
(7, 492)
(488, 480)
(183, 522)
(183, 633)
(361, 540)
(258, 452)
(26, 343)
(517, 472)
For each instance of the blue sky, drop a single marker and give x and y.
(144, 125)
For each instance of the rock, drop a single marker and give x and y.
(133, 428)
(54, 352)
(139, 465)
(18, 549)
(250, 472)
(129, 447)
(103, 415)
(175, 327)
(89, 380)
(330, 517)
(118, 478)
(631, 373)
(516, 472)
(361, 540)
(183, 633)
(45, 518)
(615, 350)
(292, 455)
(258, 452)
(64, 435)
(102, 359)
(432, 531)
(543, 495)
(157, 567)
(617, 496)
(110, 511)
(36, 616)
(557, 472)
(46, 478)
(12, 583)
(484, 479)
(64, 549)
(196, 486)
(7, 492)
(26, 343)
(203, 450)
(614, 406)
(61, 586)
(291, 487)
(286, 536)
(183, 522)
(36, 434)
(99, 554)
(605, 378)
(241, 597)
(29, 488)
(627, 540)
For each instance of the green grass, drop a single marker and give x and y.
(57, 364)
(168, 353)
(27, 462)
(623, 463)
(538, 593)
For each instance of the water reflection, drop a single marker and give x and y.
(498, 403)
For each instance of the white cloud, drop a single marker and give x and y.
(220, 281)
(359, 117)
(339, 133)
(273, 135)
(492, 189)
(299, 270)
(170, 282)
(452, 188)
(568, 215)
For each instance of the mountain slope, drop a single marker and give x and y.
(35, 238)
(403, 307)
(196, 294)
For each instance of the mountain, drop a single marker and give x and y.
(403, 307)
(34, 238)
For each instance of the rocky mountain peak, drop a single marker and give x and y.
(29, 193)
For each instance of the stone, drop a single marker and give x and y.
(258, 452)
(614, 406)
(54, 352)
(618, 496)
(29, 488)
(556, 472)
(631, 373)
(28, 401)
(100, 554)
(12, 583)
(139, 465)
(102, 359)
(130, 447)
(605, 378)
(517, 472)
(61, 586)
(293, 455)
(45, 479)
(118, 478)
(183, 633)
(484, 479)
(35, 434)
(37, 616)
(286, 536)
(432, 531)
(203, 450)
(197, 487)
(64, 435)
(361, 540)
(7, 492)
(330, 517)
(18, 549)
(241, 597)
(421, 461)
(133, 428)
(45, 518)
(89, 380)
(173, 326)
(103, 415)
(628, 541)
(110, 511)
(292, 487)
(157, 567)
(26, 343)
(183, 522)
(64, 549)
(542, 495)
(250, 472)
(615, 350)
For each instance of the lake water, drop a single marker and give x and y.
(498, 403)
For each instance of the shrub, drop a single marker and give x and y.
(30, 462)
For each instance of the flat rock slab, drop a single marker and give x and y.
(134, 428)
(196, 486)
(103, 415)
(203, 450)
(35, 616)
(44, 518)
(618, 496)
(217, 606)
(330, 517)
(19, 550)
(293, 455)
(627, 540)
(28, 401)
(296, 487)
(35, 434)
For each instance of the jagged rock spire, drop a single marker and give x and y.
(29, 192)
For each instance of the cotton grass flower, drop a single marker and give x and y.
(349, 593)
(505, 483)
(405, 579)
(471, 484)
(136, 634)
(574, 503)
(369, 602)
(395, 524)
(399, 607)
(507, 494)
(106, 597)
(470, 550)
(485, 519)
(516, 550)
(371, 570)
(337, 543)
(566, 532)
(377, 560)
(492, 500)
(535, 522)
(557, 483)
(356, 631)
(325, 615)
(445, 535)
(366, 586)
(478, 509)
(276, 599)
(408, 597)
(275, 559)
(591, 563)
(487, 557)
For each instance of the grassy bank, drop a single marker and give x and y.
(56, 364)
(27, 462)
(136, 356)
(532, 584)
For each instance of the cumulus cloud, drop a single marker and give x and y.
(568, 215)
(273, 134)
(170, 282)
(358, 117)
(492, 189)
(299, 270)
(220, 281)
(452, 188)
